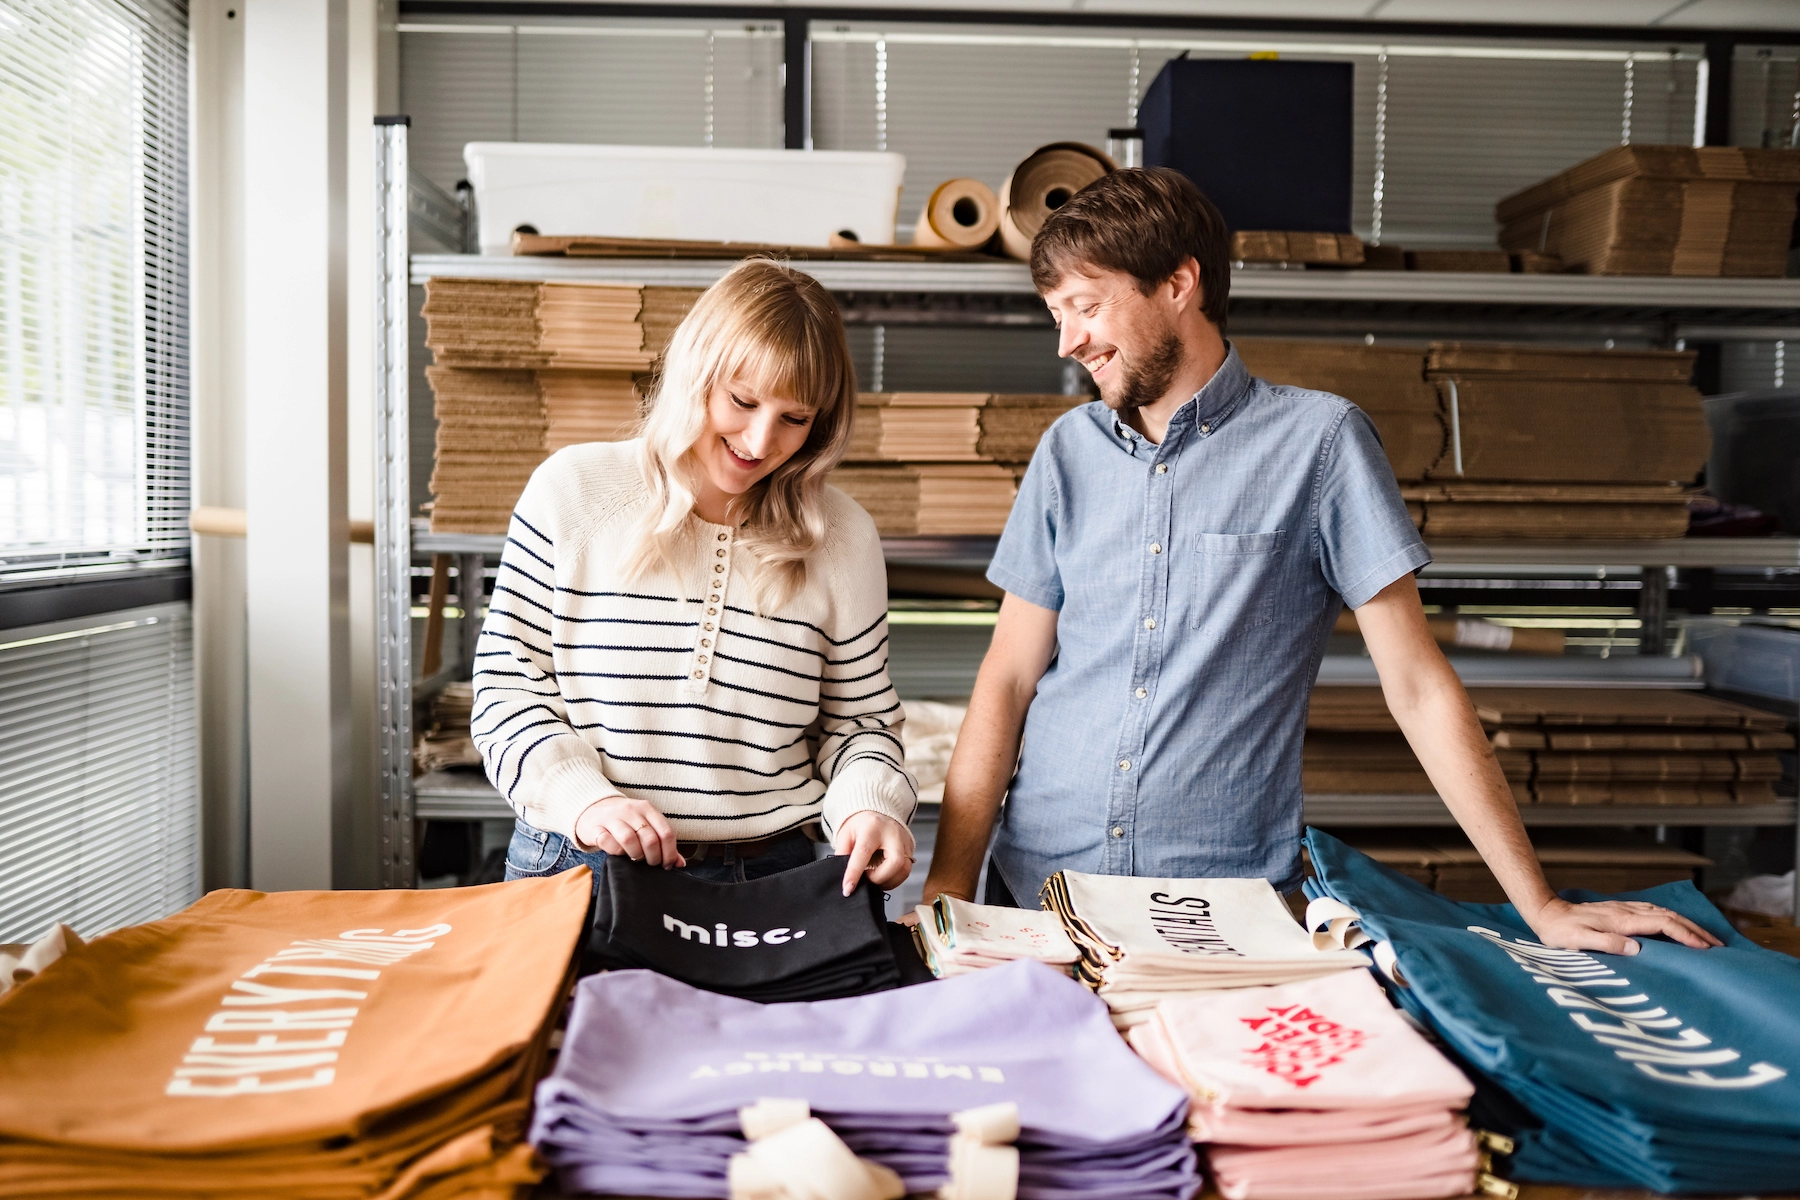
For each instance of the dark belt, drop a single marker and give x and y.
(756, 848)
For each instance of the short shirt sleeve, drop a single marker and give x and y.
(1025, 561)
(1366, 538)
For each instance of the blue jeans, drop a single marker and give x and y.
(534, 853)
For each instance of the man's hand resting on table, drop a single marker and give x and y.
(861, 836)
(1606, 926)
(635, 828)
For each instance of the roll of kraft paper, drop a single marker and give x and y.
(961, 214)
(1040, 185)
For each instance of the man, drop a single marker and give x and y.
(1173, 566)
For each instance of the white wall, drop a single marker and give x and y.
(283, 95)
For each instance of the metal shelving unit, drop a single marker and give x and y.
(1658, 311)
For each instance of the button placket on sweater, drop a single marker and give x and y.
(715, 569)
(1153, 598)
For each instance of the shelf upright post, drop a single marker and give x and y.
(393, 507)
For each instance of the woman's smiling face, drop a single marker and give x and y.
(749, 434)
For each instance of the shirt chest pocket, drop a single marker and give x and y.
(1238, 581)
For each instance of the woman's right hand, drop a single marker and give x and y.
(635, 828)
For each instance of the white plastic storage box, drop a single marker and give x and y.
(785, 197)
(1760, 660)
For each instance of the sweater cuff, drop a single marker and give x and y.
(566, 790)
(869, 784)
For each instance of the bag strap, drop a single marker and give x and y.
(1334, 925)
(984, 1165)
(795, 1156)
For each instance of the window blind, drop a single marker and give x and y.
(1443, 129)
(644, 83)
(99, 795)
(93, 291)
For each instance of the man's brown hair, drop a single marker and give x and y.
(1144, 221)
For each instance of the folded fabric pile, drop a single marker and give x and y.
(1314, 1091)
(1143, 939)
(1673, 1069)
(789, 936)
(647, 1092)
(929, 736)
(328, 1045)
(956, 937)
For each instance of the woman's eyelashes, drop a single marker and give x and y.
(798, 420)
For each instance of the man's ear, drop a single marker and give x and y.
(1184, 285)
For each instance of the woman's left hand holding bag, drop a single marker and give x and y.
(865, 833)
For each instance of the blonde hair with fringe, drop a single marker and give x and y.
(777, 332)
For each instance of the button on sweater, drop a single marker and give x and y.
(736, 724)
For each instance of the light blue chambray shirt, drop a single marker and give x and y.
(1197, 582)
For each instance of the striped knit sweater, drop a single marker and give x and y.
(736, 725)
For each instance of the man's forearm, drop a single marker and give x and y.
(1448, 740)
(980, 771)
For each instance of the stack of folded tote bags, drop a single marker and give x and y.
(1144, 939)
(1314, 1091)
(1673, 1069)
(789, 936)
(649, 1092)
(956, 937)
(328, 1045)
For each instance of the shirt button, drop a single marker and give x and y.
(705, 642)
(1124, 764)
(697, 674)
(1206, 429)
(702, 658)
(1162, 468)
(707, 627)
(720, 553)
(1156, 547)
(1118, 831)
(718, 568)
(713, 599)
(1140, 693)
(1149, 622)
(724, 536)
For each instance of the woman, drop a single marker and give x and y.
(685, 658)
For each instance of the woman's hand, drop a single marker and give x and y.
(865, 833)
(635, 828)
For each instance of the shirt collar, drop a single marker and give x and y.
(1211, 406)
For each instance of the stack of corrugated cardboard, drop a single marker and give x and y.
(1448, 865)
(1662, 210)
(1564, 746)
(1280, 246)
(524, 369)
(447, 743)
(490, 437)
(1518, 442)
(943, 463)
